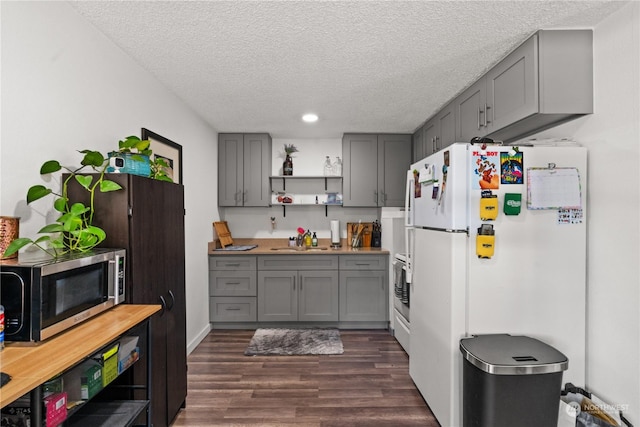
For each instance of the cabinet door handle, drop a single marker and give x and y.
(375, 196)
(294, 283)
(163, 303)
(244, 196)
(237, 264)
(233, 283)
(436, 138)
(363, 263)
(486, 114)
(481, 112)
(232, 308)
(173, 299)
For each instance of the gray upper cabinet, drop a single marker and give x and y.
(374, 169)
(512, 87)
(429, 138)
(244, 167)
(470, 109)
(437, 133)
(359, 170)
(416, 144)
(230, 168)
(547, 80)
(394, 158)
(446, 124)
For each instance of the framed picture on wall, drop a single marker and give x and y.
(168, 150)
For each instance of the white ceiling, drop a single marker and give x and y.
(362, 66)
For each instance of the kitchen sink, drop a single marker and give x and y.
(299, 249)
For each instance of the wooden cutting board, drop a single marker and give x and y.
(224, 235)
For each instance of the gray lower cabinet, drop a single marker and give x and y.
(232, 289)
(298, 288)
(298, 296)
(363, 288)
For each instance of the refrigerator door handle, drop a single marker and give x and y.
(407, 200)
(408, 245)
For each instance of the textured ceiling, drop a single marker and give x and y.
(362, 66)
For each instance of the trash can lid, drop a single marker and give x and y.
(504, 354)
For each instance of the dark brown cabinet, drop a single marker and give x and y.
(147, 219)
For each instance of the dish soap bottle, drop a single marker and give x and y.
(307, 239)
(314, 240)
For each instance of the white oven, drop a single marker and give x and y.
(401, 301)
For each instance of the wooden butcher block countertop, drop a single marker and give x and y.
(30, 366)
(281, 247)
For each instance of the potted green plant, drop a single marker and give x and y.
(287, 166)
(73, 230)
(137, 150)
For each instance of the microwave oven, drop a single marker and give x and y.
(44, 296)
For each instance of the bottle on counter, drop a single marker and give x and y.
(337, 167)
(328, 168)
(307, 239)
(1, 327)
(314, 239)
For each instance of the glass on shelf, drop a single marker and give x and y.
(337, 167)
(328, 168)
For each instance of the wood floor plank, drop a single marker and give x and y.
(368, 385)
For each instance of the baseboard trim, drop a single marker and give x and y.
(198, 339)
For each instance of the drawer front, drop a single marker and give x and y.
(363, 262)
(402, 332)
(232, 309)
(298, 262)
(228, 283)
(222, 262)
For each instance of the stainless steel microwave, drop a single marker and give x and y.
(45, 296)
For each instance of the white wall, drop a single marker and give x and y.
(612, 136)
(65, 87)
(308, 161)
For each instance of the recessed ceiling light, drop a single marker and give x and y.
(310, 118)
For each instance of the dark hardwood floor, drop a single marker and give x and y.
(367, 385)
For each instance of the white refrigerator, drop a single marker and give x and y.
(531, 278)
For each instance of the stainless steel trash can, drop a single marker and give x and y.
(510, 381)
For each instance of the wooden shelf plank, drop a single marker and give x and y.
(108, 414)
(32, 365)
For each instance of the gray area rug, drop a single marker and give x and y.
(288, 342)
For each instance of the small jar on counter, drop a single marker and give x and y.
(1, 327)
